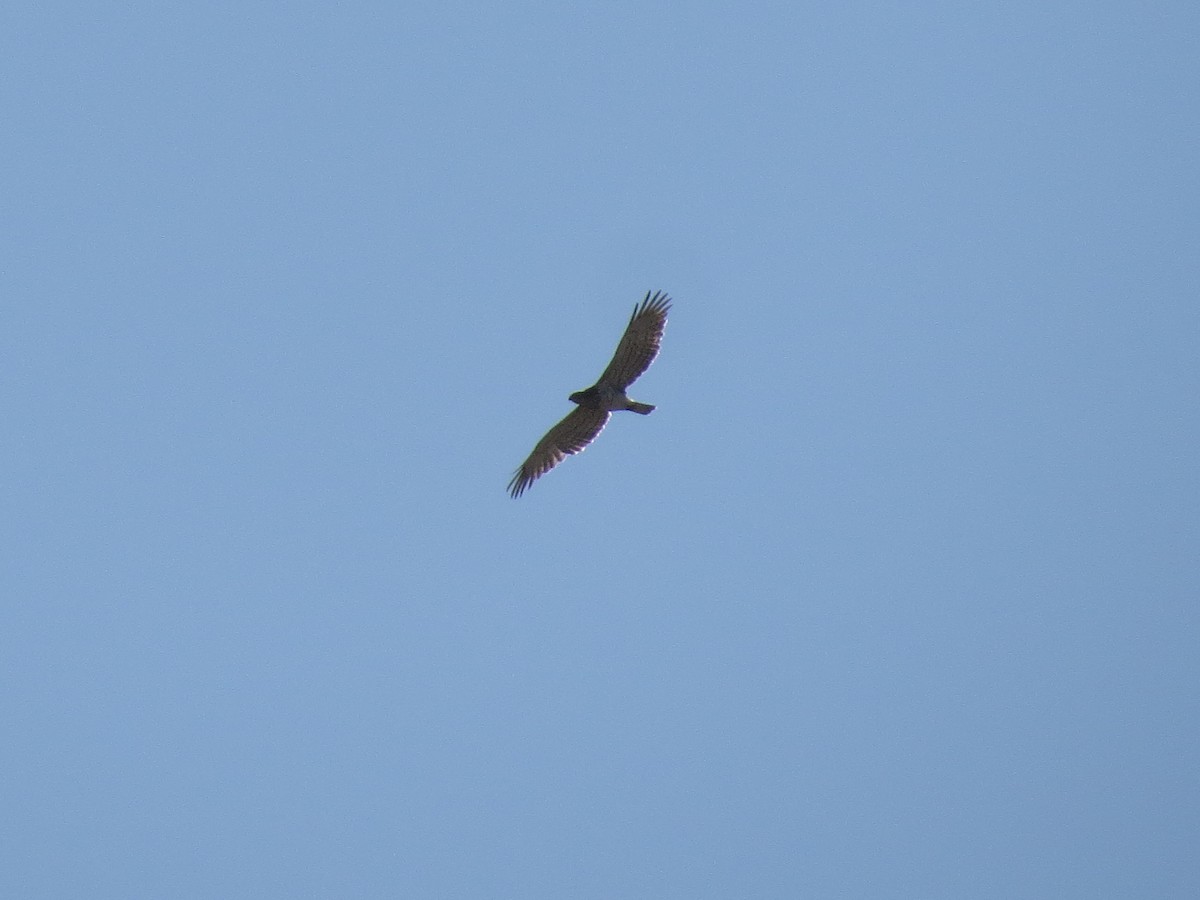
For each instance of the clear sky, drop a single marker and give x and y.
(894, 595)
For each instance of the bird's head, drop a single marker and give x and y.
(587, 398)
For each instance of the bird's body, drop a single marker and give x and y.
(637, 349)
(610, 399)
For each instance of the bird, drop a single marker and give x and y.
(636, 350)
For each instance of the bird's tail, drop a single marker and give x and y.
(643, 408)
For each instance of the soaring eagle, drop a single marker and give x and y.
(639, 345)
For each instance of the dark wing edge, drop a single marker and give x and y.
(578, 429)
(640, 342)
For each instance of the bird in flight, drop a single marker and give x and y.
(637, 349)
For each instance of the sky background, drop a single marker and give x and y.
(895, 594)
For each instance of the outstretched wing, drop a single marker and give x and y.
(571, 435)
(639, 345)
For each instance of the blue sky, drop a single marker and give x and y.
(894, 595)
